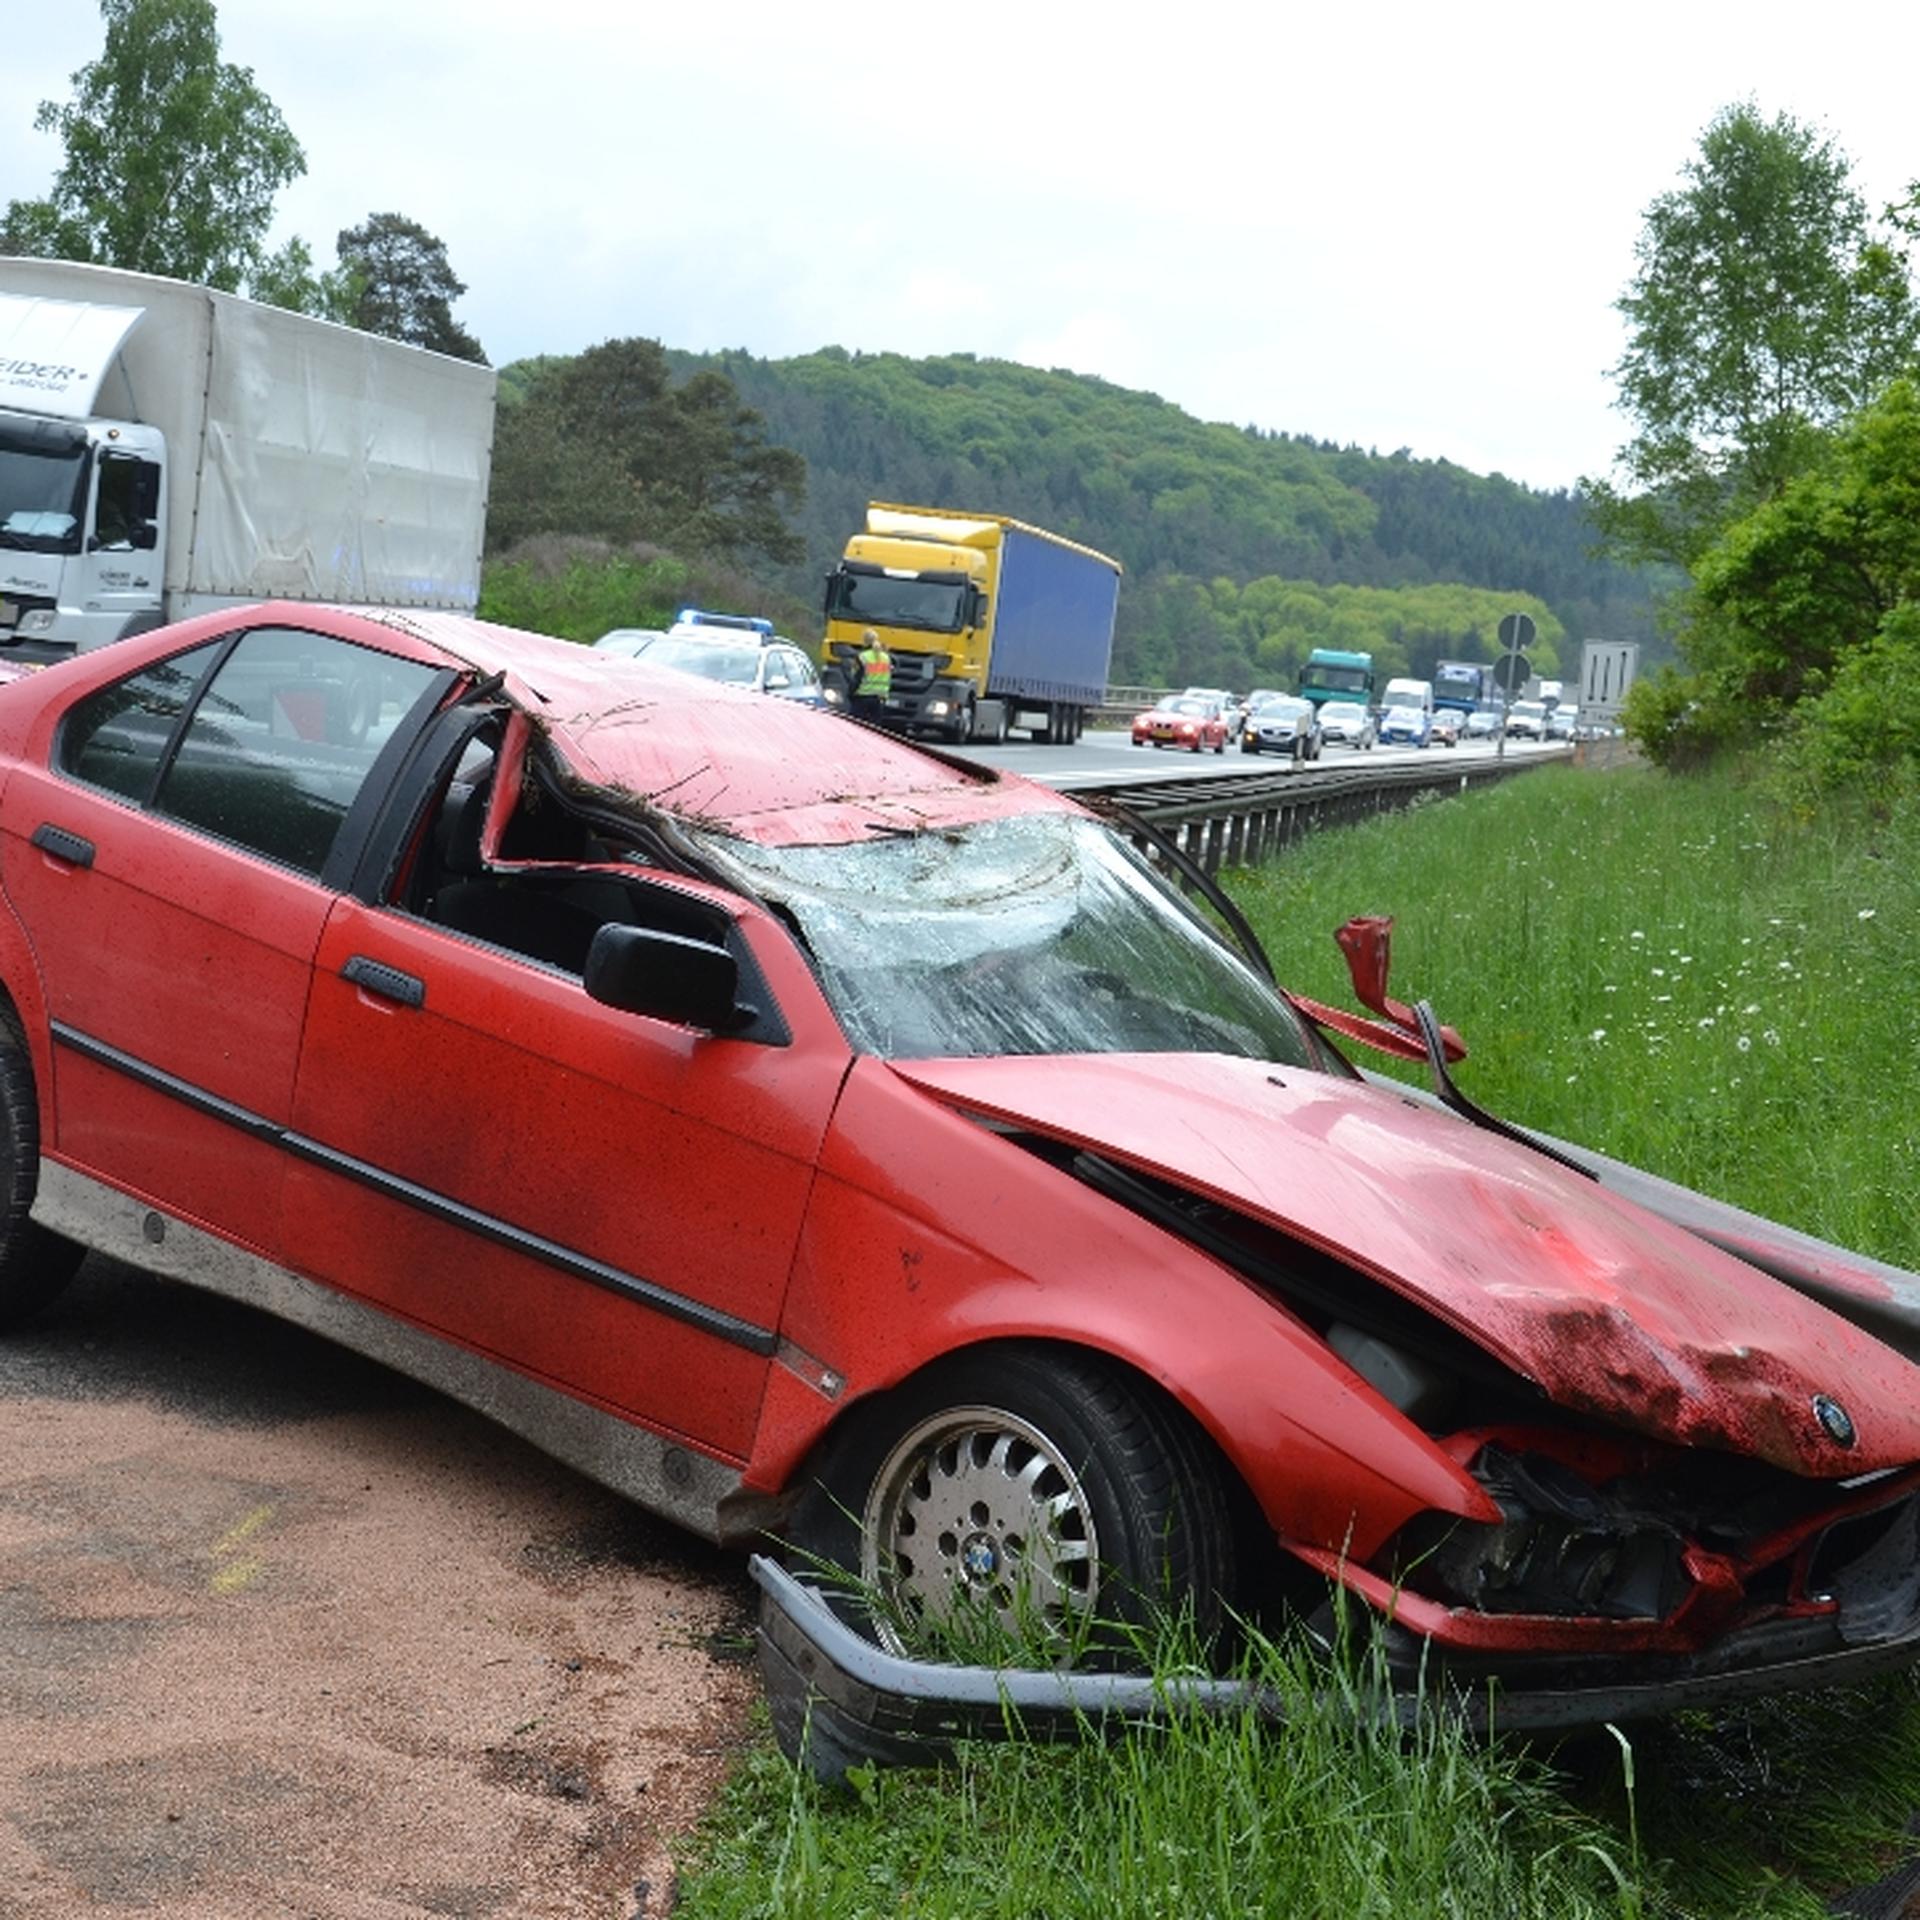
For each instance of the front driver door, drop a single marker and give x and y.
(607, 1202)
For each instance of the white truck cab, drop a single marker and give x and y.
(82, 507)
(166, 450)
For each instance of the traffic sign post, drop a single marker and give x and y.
(1511, 670)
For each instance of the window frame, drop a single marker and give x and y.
(369, 802)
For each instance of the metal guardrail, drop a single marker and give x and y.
(1238, 820)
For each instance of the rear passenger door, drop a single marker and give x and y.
(175, 864)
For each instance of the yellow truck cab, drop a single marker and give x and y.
(991, 624)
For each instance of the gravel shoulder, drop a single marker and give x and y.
(284, 1634)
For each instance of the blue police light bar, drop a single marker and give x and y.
(746, 622)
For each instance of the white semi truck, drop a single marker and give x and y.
(166, 450)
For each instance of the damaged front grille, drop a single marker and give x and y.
(1662, 1535)
(1560, 1546)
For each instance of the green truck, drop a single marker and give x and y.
(1331, 674)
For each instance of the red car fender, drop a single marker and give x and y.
(927, 1233)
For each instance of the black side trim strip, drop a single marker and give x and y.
(740, 1333)
(676, 1306)
(63, 845)
(184, 1091)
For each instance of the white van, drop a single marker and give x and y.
(1407, 693)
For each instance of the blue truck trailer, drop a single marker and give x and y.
(992, 624)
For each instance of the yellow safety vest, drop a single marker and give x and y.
(876, 673)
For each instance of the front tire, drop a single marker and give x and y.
(34, 1263)
(1046, 1495)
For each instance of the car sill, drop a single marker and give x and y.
(699, 1493)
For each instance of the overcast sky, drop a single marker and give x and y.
(1390, 225)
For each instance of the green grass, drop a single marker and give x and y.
(1331, 1813)
(1665, 969)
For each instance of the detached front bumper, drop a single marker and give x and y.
(839, 1701)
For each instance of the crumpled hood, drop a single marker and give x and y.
(1608, 1309)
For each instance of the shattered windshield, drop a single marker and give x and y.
(1044, 933)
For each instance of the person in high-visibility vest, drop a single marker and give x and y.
(876, 678)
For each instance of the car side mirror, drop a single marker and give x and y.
(1367, 942)
(667, 976)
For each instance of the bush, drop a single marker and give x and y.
(1682, 720)
(578, 589)
(1865, 727)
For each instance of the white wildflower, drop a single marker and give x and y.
(1599, 1033)
(1744, 1044)
(1865, 913)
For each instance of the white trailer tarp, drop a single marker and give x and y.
(339, 466)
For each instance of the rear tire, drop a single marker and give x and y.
(34, 1263)
(1047, 1492)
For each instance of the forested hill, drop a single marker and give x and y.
(1236, 542)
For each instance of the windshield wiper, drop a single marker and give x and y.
(1192, 871)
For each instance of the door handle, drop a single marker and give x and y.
(63, 845)
(389, 983)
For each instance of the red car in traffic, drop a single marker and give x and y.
(828, 1141)
(1183, 720)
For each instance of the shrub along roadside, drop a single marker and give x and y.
(578, 589)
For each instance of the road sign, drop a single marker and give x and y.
(1516, 631)
(1511, 670)
(1606, 672)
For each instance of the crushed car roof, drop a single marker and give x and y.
(722, 757)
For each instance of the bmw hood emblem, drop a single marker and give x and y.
(1835, 1421)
